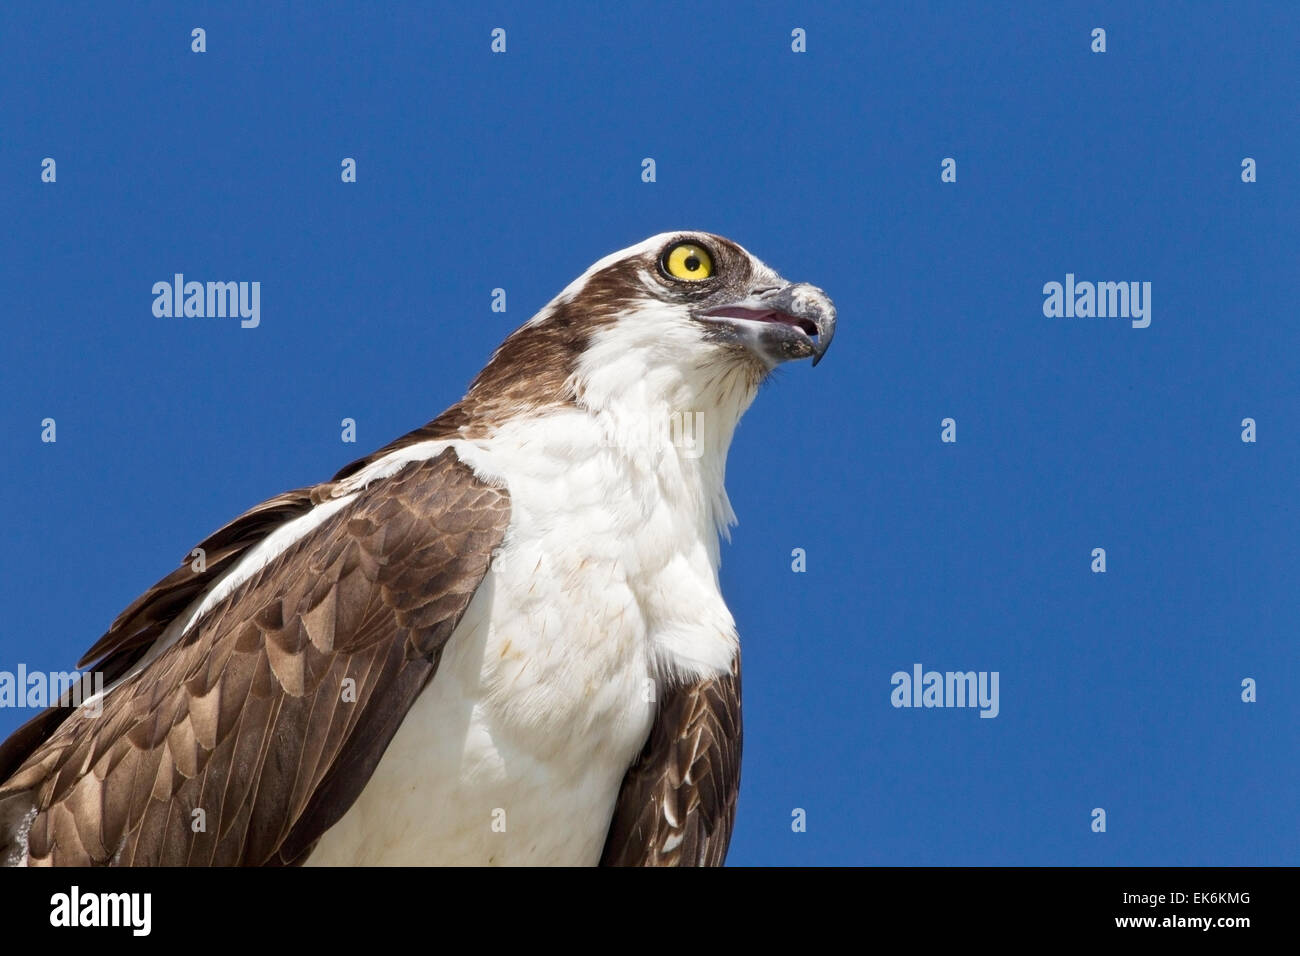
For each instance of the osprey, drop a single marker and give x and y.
(499, 639)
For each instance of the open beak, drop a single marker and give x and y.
(792, 322)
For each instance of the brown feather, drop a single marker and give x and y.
(265, 745)
(677, 803)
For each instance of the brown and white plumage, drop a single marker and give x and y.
(246, 714)
(497, 640)
(678, 801)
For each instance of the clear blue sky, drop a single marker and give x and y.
(1118, 690)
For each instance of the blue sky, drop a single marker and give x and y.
(475, 171)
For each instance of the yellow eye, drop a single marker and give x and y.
(688, 261)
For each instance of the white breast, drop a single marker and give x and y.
(606, 584)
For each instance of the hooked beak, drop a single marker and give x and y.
(792, 322)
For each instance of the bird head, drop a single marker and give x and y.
(695, 298)
(680, 321)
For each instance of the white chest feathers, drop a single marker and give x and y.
(605, 587)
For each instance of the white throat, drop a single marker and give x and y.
(665, 408)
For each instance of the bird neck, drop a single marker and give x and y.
(673, 421)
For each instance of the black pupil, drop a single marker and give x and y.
(692, 263)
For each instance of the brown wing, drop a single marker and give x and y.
(150, 613)
(129, 637)
(274, 709)
(678, 801)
